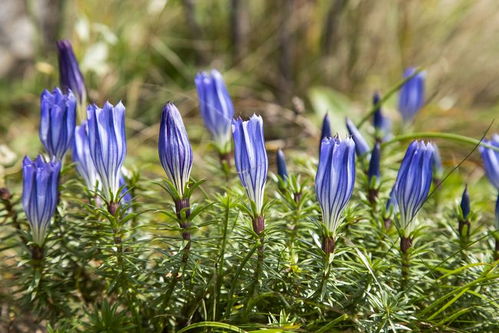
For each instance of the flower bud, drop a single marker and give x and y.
(413, 182)
(411, 98)
(216, 107)
(83, 159)
(490, 158)
(40, 195)
(282, 169)
(465, 204)
(374, 163)
(335, 179)
(361, 146)
(57, 121)
(381, 123)
(251, 158)
(175, 152)
(107, 143)
(326, 128)
(70, 76)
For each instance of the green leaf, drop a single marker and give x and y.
(212, 324)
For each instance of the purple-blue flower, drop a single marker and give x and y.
(361, 146)
(382, 124)
(391, 203)
(282, 169)
(335, 179)
(107, 142)
(216, 107)
(374, 163)
(251, 158)
(490, 159)
(465, 204)
(83, 159)
(326, 128)
(40, 194)
(126, 196)
(175, 152)
(412, 94)
(438, 169)
(413, 183)
(57, 121)
(70, 76)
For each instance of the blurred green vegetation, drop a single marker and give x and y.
(288, 60)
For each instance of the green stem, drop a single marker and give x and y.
(294, 233)
(405, 246)
(325, 275)
(387, 96)
(255, 286)
(230, 302)
(437, 135)
(175, 275)
(219, 278)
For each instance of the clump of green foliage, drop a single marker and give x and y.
(155, 280)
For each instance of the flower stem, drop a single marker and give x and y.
(230, 301)
(405, 245)
(437, 135)
(328, 246)
(221, 260)
(183, 212)
(258, 227)
(176, 273)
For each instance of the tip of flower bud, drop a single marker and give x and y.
(282, 169)
(64, 44)
(326, 127)
(465, 203)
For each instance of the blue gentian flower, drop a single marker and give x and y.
(70, 76)
(412, 98)
(438, 169)
(83, 159)
(413, 183)
(374, 163)
(391, 203)
(490, 159)
(126, 196)
(40, 194)
(497, 219)
(335, 179)
(382, 124)
(282, 169)
(107, 143)
(251, 158)
(175, 152)
(216, 107)
(465, 204)
(326, 128)
(361, 146)
(57, 121)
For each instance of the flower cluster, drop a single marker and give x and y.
(99, 149)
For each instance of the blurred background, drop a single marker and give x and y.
(289, 60)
